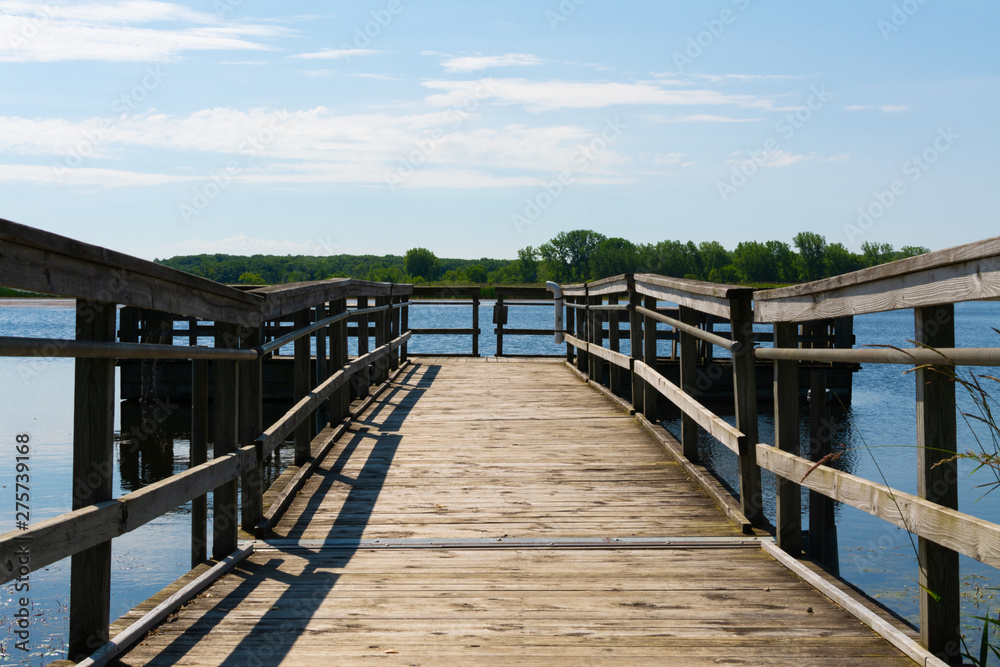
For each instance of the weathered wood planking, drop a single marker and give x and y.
(457, 448)
(513, 606)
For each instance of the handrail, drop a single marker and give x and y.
(963, 273)
(76, 531)
(966, 534)
(952, 356)
(734, 346)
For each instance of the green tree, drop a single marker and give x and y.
(525, 267)
(912, 251)
(769, 262)
(874, 254)
(566, 256)
(713, 257)
(613, 257)
(421, 262)
(812, 253)
(670, 258)
(476, 273)
(839, 260)
(248, 278)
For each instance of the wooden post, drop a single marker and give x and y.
(303, 435)
(499, 320)
(251, 422)
(340, 402)
(93, 469)
(362, 379)
(381, 334)
(597, 339)
(475, 324)
(937, 482)
(614, 335)
(199, 455)
(649, 397)
(635, 341)
(688, 345)
(745, 389)
(822, 528)
(322, 414)
(788, 494)
(568, 321)
(394, 333)
(225, 401)
(581, 333)
(404, 326)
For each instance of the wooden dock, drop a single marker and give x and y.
(460, 522)
(459, 510)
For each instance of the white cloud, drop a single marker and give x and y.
(119, 32)
(669, 158)
(336, 54)
(884, 108)
(701, 118)
(82, 176)
(780, 158)
(553, 95)
(474, 63)
(304, 146)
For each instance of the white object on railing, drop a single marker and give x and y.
(557, 295)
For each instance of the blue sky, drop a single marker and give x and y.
(475, 129)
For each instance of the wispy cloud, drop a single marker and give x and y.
(474, 63)
(884, 108)
(312, 146)
(553, 95)
(125, 31)
(336, 54)
(781, 158)
(700, 118)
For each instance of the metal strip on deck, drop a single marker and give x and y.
(519, 543)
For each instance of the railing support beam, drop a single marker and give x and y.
(788, 495)
(937, 481)
(745, 388)
(93, 468)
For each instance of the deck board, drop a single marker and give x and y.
(462, 450)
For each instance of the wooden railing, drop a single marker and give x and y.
(246, 327)
(929, 284)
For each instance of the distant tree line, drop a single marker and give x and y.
(574, 256)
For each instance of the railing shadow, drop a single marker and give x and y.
(308, 586)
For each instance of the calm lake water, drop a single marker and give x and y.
(878, 429)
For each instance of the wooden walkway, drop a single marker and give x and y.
(505, 513)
